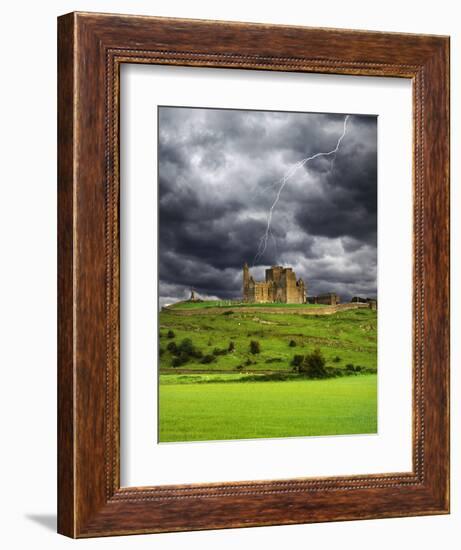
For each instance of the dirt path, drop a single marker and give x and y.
(228, 371)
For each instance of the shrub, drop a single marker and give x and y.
(228, 312)
(355, 368)
(179, 360)
(218, 351)
(239, 367)
(336, 372)
(255, 347)
(249, 362)
(170, 334)
(161, 351)
(297, 361)
(196, 354)
(292, 344)
(185, 349)
(336, 359)
(208, 359)
(274, 360)
(231, 346)
(186, 346)
(314, 365)
(273, 376)
(172, 347)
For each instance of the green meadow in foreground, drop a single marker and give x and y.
(214, 411)
(224, 386)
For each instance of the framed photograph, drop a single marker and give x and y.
(253, 275)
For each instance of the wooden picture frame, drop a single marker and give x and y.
(92, 47)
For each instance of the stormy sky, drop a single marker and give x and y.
(219, 173)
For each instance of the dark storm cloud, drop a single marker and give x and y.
(218, 174)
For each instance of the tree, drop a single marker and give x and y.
(314, 365)
(186, 346)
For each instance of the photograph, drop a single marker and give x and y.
(267, 255)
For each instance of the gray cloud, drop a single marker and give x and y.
(217, 174)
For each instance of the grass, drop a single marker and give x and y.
(350, 335)
(235, 396)
(181, 379)
(217, 411)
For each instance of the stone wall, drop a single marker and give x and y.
(329, 299)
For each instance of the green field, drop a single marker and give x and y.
(234, 395)
(214, 411)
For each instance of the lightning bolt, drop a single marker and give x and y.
(281, 184)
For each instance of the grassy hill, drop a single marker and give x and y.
(213, 388)
(343, 338)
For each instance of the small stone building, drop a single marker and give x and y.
(329, 299)
(372, 302)
(280, 285)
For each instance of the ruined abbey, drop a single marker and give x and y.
(280, 285)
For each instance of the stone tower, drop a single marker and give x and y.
(246, 282)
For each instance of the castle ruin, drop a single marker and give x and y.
(328, 299)
(280, 285)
